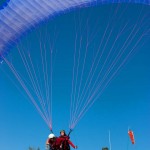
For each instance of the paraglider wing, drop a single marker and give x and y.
(3, 3)
(19, 16)
(131, 135)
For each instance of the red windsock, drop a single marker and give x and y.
(131, 135)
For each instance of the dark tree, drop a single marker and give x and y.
(32, 148)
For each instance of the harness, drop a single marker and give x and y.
(65, 145)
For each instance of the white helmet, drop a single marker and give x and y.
(51, 136)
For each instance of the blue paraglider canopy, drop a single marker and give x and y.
(19, 16)
(3, 3)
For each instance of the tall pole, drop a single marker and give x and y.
(109, 141)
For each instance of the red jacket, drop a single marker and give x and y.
(54, 144)
(65, 140)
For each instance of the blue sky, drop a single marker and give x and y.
(125, 103)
